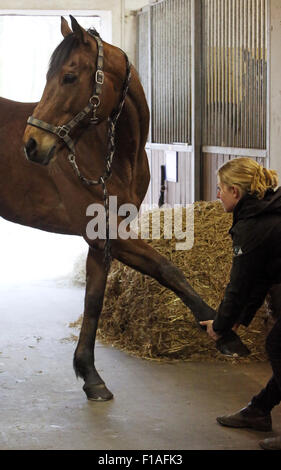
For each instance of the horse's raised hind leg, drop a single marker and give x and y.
(84, 359)
(142, 257)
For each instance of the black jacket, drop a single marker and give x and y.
(256, 236)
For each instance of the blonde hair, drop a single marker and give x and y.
(250, 177)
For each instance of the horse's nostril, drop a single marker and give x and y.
(30, 148)
(31, 144)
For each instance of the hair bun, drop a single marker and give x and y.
(263, 180)
(248, 175)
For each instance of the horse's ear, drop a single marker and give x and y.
(77, 29)
(65, 29)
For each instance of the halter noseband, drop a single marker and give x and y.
(94, 102)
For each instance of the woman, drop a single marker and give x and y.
(247, 189)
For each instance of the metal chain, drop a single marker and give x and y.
(112, 121)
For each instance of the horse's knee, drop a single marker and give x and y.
(166, 269)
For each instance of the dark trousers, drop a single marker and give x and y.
(270, 396)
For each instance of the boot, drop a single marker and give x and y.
(271, 443)
(248, 417)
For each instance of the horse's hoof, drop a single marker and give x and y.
(231, 345)
(97, 392)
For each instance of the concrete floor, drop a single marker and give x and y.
(155, 406)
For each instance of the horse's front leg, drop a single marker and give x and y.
(84, 358)
(142, 257)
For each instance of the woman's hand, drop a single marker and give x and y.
(210, 331)
(235, 327)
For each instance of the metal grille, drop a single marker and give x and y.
(171, 71)
(234, 73)
(143, 56)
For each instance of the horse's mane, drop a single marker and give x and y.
(61, 53)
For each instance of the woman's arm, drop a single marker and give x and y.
(246, 284)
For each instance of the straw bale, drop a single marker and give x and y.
(147, 320)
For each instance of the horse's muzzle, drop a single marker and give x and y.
(33, 154)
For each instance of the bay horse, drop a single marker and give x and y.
(93, 108)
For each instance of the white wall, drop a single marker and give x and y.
(123, 20)
(130, 25)
(275, 87)
(113, 5)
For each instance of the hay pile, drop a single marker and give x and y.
(149, 321)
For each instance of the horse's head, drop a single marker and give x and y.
(82, 88)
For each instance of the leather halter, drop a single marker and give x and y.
(94, 102)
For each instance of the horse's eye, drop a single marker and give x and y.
(69, 78)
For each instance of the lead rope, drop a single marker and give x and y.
(112, 121)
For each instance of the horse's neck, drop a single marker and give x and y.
(137, 96)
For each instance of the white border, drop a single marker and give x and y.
(239, 151)
(175, 147)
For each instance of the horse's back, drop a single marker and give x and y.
(14, 111)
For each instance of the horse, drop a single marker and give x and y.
(83, 141)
